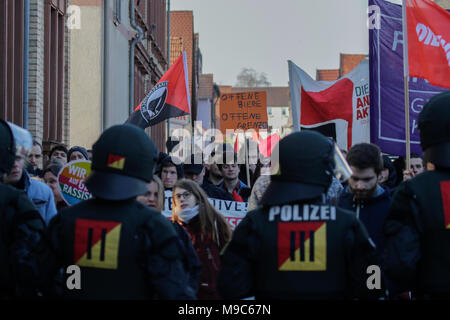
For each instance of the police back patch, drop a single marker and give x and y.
(302, 236)
(97, 243)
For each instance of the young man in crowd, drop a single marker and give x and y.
(169, 171)
(231, 183)
(35, 160)
(363, 195)
(196, 172)
(416, 167)
(59, 152)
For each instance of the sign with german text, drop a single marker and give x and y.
(232, 211)
(71, 181)
(243, 110)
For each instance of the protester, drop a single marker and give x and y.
(169, 171)
(266, 257)
(213, 174)
(207, 228)
(363, 195)
(77, 153)
(196, 172)
(22, 246)
(154, 198)
(231, 183)
(416, 229)
(124, 249)
(38, 192)
(258, 190)
(416, 167)
(35, 160)
(388, 176)
(50, 176)
(59, 152)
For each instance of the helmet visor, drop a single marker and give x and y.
(22, 139)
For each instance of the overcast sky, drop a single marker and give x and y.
(263, 35)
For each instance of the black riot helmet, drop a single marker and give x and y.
(123, 161)
(13, 140)
(434, 127)
(307, 162)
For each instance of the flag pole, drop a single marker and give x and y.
(246, 163)
(406, 85)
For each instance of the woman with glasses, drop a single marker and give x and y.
(207, 228)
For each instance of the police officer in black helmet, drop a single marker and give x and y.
(294, 246)
(22, 230)
(124, 249)
(417, 255)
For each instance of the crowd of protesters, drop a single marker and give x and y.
(202, 232)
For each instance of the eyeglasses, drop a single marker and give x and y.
(184, 195)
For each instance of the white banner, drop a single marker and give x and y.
(232, 211)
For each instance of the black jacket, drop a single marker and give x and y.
(418, 236)
(23, 249)
(125, 251)
(277, 253)
(215, 192)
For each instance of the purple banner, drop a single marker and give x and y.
(387, 101)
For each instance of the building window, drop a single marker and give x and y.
(284, 112)
(269, 111)
(54, 44)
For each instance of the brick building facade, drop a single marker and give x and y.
(48, 68)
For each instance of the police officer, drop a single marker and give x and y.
(22, 245)
(294, 246)
(417, 255)
(123, 249)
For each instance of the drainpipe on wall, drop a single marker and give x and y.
(133, 44)
(26, 46)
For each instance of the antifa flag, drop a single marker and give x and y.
(339, 108)
(169, 98)
(428, 41)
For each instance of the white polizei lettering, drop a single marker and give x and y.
(306, 212)
(324, 213)
(286, 213)
(314, 213)
(273, 212)
(296, 215)
(333, 213)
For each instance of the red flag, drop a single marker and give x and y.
(428, 42)
(266, 145)
(169, 98)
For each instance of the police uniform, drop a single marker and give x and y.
(22, 246)
(124, 249)
(294, 246)
(418, 224)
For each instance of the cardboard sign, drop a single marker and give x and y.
(71, 181)
(232, 211)
(244, 110)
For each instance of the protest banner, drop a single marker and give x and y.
(387, 112)
(338, 109)
(243, 110)
(71, 181)
(232, 211)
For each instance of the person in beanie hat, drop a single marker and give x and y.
(77, 153)
(417, 227)
(294, 245)
(125, 250)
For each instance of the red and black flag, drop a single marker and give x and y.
(169, 98)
